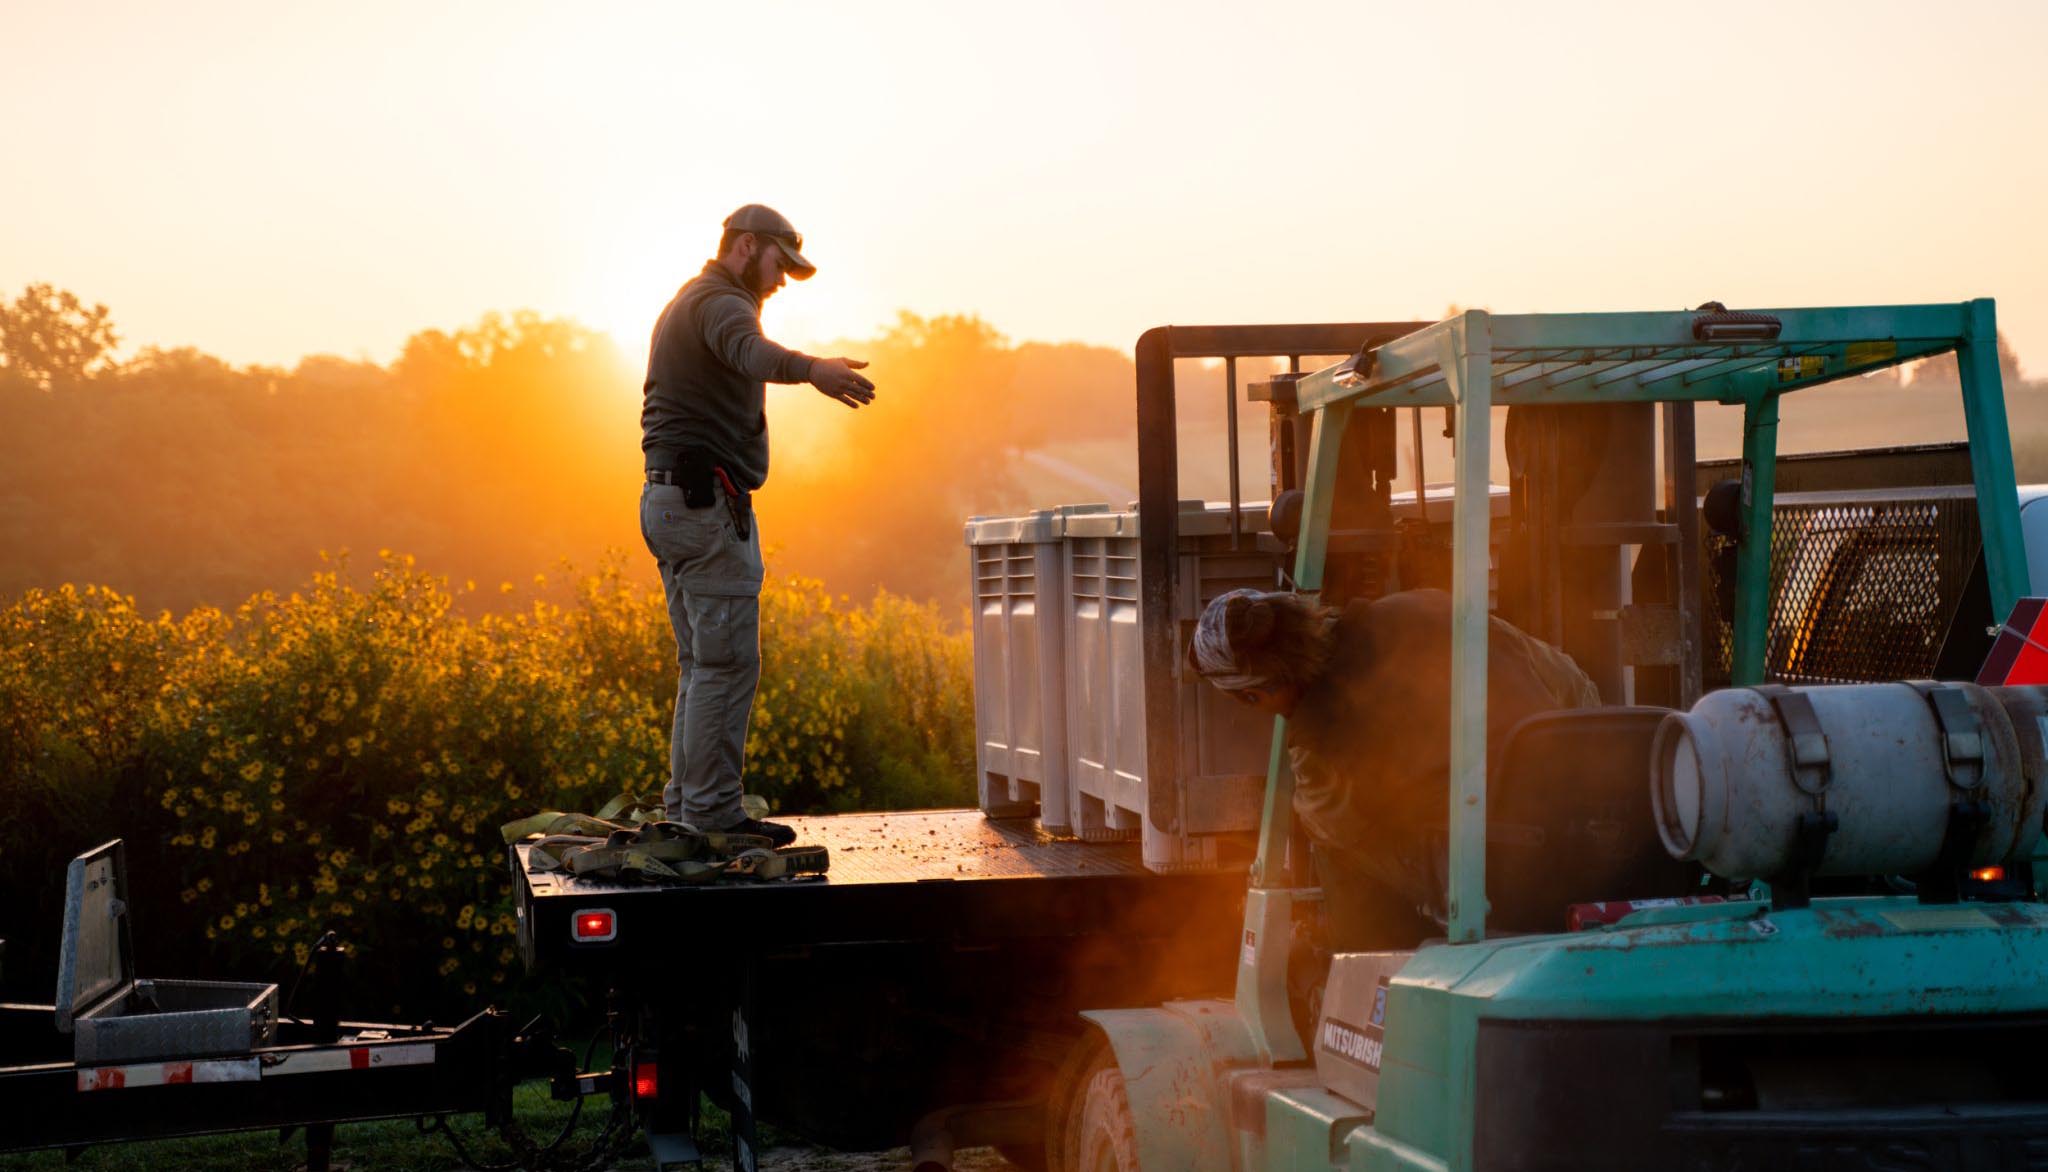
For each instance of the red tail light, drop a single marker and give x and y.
(594, 926)
(1988, 874)
(646, 1080)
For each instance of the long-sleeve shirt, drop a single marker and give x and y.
(1370, 741)
(707, 369)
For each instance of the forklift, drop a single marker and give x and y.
(1764, 927)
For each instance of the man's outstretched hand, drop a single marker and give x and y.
(836, 378)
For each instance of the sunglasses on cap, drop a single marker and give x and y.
(793, 239)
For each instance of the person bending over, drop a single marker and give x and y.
(1367, 697)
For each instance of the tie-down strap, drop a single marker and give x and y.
(1806, 745)
(1962, 733)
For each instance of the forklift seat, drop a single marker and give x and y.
(1569, 819)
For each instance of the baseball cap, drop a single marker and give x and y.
(763, 220)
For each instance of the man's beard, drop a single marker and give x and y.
(750, 276)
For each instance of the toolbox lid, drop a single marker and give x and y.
(96, 961)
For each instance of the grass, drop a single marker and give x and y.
(396, 1145)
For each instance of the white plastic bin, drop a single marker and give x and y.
(1223, 744)
(1020, 666)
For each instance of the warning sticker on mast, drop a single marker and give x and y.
(2020, 654)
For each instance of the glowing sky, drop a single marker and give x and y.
(266, 180)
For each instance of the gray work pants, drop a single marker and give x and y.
(712, 579)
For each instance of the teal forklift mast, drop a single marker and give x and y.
(1861, 959)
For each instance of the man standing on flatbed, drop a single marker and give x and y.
(704, 433)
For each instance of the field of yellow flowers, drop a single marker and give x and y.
(342, 756)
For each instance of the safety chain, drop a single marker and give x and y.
(604, 1149)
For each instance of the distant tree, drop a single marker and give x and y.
(49, 339)
(183, 369)
(2008, 361)
(1940, 371)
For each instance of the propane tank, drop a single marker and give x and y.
(1892, 770)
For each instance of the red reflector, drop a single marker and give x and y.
(594, 926)
(646, 1081)
(1581, 916)
(1988, 874)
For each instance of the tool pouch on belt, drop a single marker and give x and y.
(694, 475)
(740, 504)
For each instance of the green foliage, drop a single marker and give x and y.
(342, 756)
(396, 1145)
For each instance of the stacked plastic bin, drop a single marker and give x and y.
(1223, 744)
(1020, 706)
(1059, 678)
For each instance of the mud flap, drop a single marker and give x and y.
(1170, 1057)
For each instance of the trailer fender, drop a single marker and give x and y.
(1171, 1058)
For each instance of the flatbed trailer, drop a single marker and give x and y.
(119, 1057)
(931, 983)
(361, 1072)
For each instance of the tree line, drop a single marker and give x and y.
(498, 450)
(492, 452)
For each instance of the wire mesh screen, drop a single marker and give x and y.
(1863, 587)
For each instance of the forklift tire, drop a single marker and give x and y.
(1064, 1099)
(1104, 1138)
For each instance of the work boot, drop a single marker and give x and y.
(774, 832)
